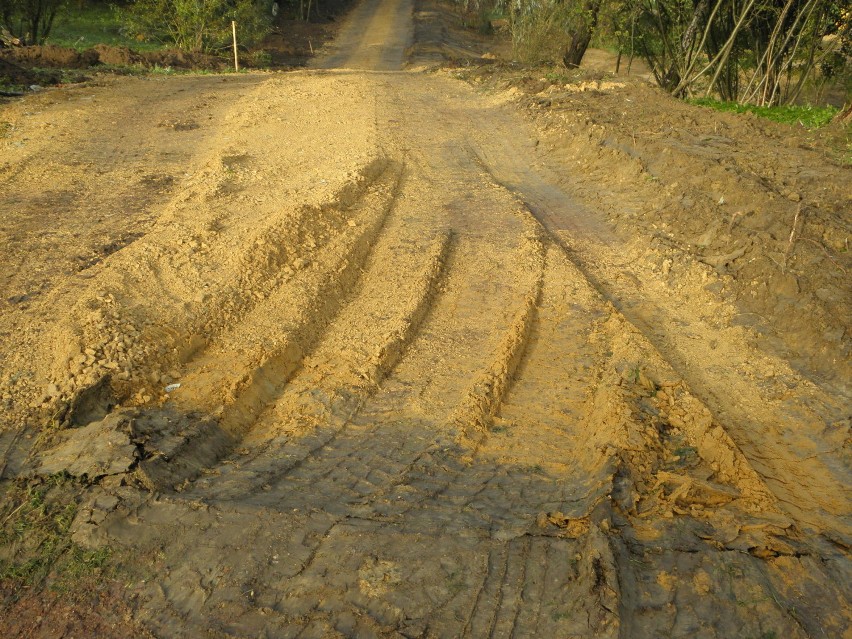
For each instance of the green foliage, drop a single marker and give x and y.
(259, 59)
(763, 52)
(542, 31)
(79, 564)
(94, 23)
(30, 20)
(198, 25)
(757, 51)
(36, 526)
(35, 543)
(807, 116)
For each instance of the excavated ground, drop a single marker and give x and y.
(365, 351)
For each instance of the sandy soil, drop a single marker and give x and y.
(458, 353)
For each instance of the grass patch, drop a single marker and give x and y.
(808, 116)
(35, 540)
(34, 534)
(95, 24)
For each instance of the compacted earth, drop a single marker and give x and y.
(417, 343)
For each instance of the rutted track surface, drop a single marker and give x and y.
(408, 405)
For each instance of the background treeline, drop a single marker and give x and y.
(191, 25)
(762, 52)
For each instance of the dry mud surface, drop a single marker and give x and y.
(438, 376)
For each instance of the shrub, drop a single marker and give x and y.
(550, 30)
(198, 25)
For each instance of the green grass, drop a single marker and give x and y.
(807, 116)
(35, 526)
(38, 526)
(94, 24)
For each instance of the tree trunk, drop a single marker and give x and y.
(581, 36)
(577, 48)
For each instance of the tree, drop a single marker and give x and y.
(757, 51)
(30, 20)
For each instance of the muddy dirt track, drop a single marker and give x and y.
(425, 390)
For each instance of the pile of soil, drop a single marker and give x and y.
(294, 42)
(16, 75)
(54, 57)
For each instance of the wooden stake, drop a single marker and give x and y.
(792, 239)
(236, 58)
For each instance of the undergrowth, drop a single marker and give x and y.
(94, 24)
(808, 116)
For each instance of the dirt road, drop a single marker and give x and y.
(424, 391)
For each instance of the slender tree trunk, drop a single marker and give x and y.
(687, 78)
(632, 39)
(721, 59)
(687, 43)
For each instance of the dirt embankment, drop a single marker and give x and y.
(764, 205)
(40, 66)
(54, 57)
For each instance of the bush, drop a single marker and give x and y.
(539, 31)
(198, 25)
(551, 30)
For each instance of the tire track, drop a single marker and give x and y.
(415, 411)
(343, 372)
(774, 452)
(265, 348)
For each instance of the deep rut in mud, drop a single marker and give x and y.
(420, 395)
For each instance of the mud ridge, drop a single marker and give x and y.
(481, 402)
(635, 369)
(111, 331)
(337, 396)
(201, 424)
(321, 299)
(389, 353)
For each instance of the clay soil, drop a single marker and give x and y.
(419, 343)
